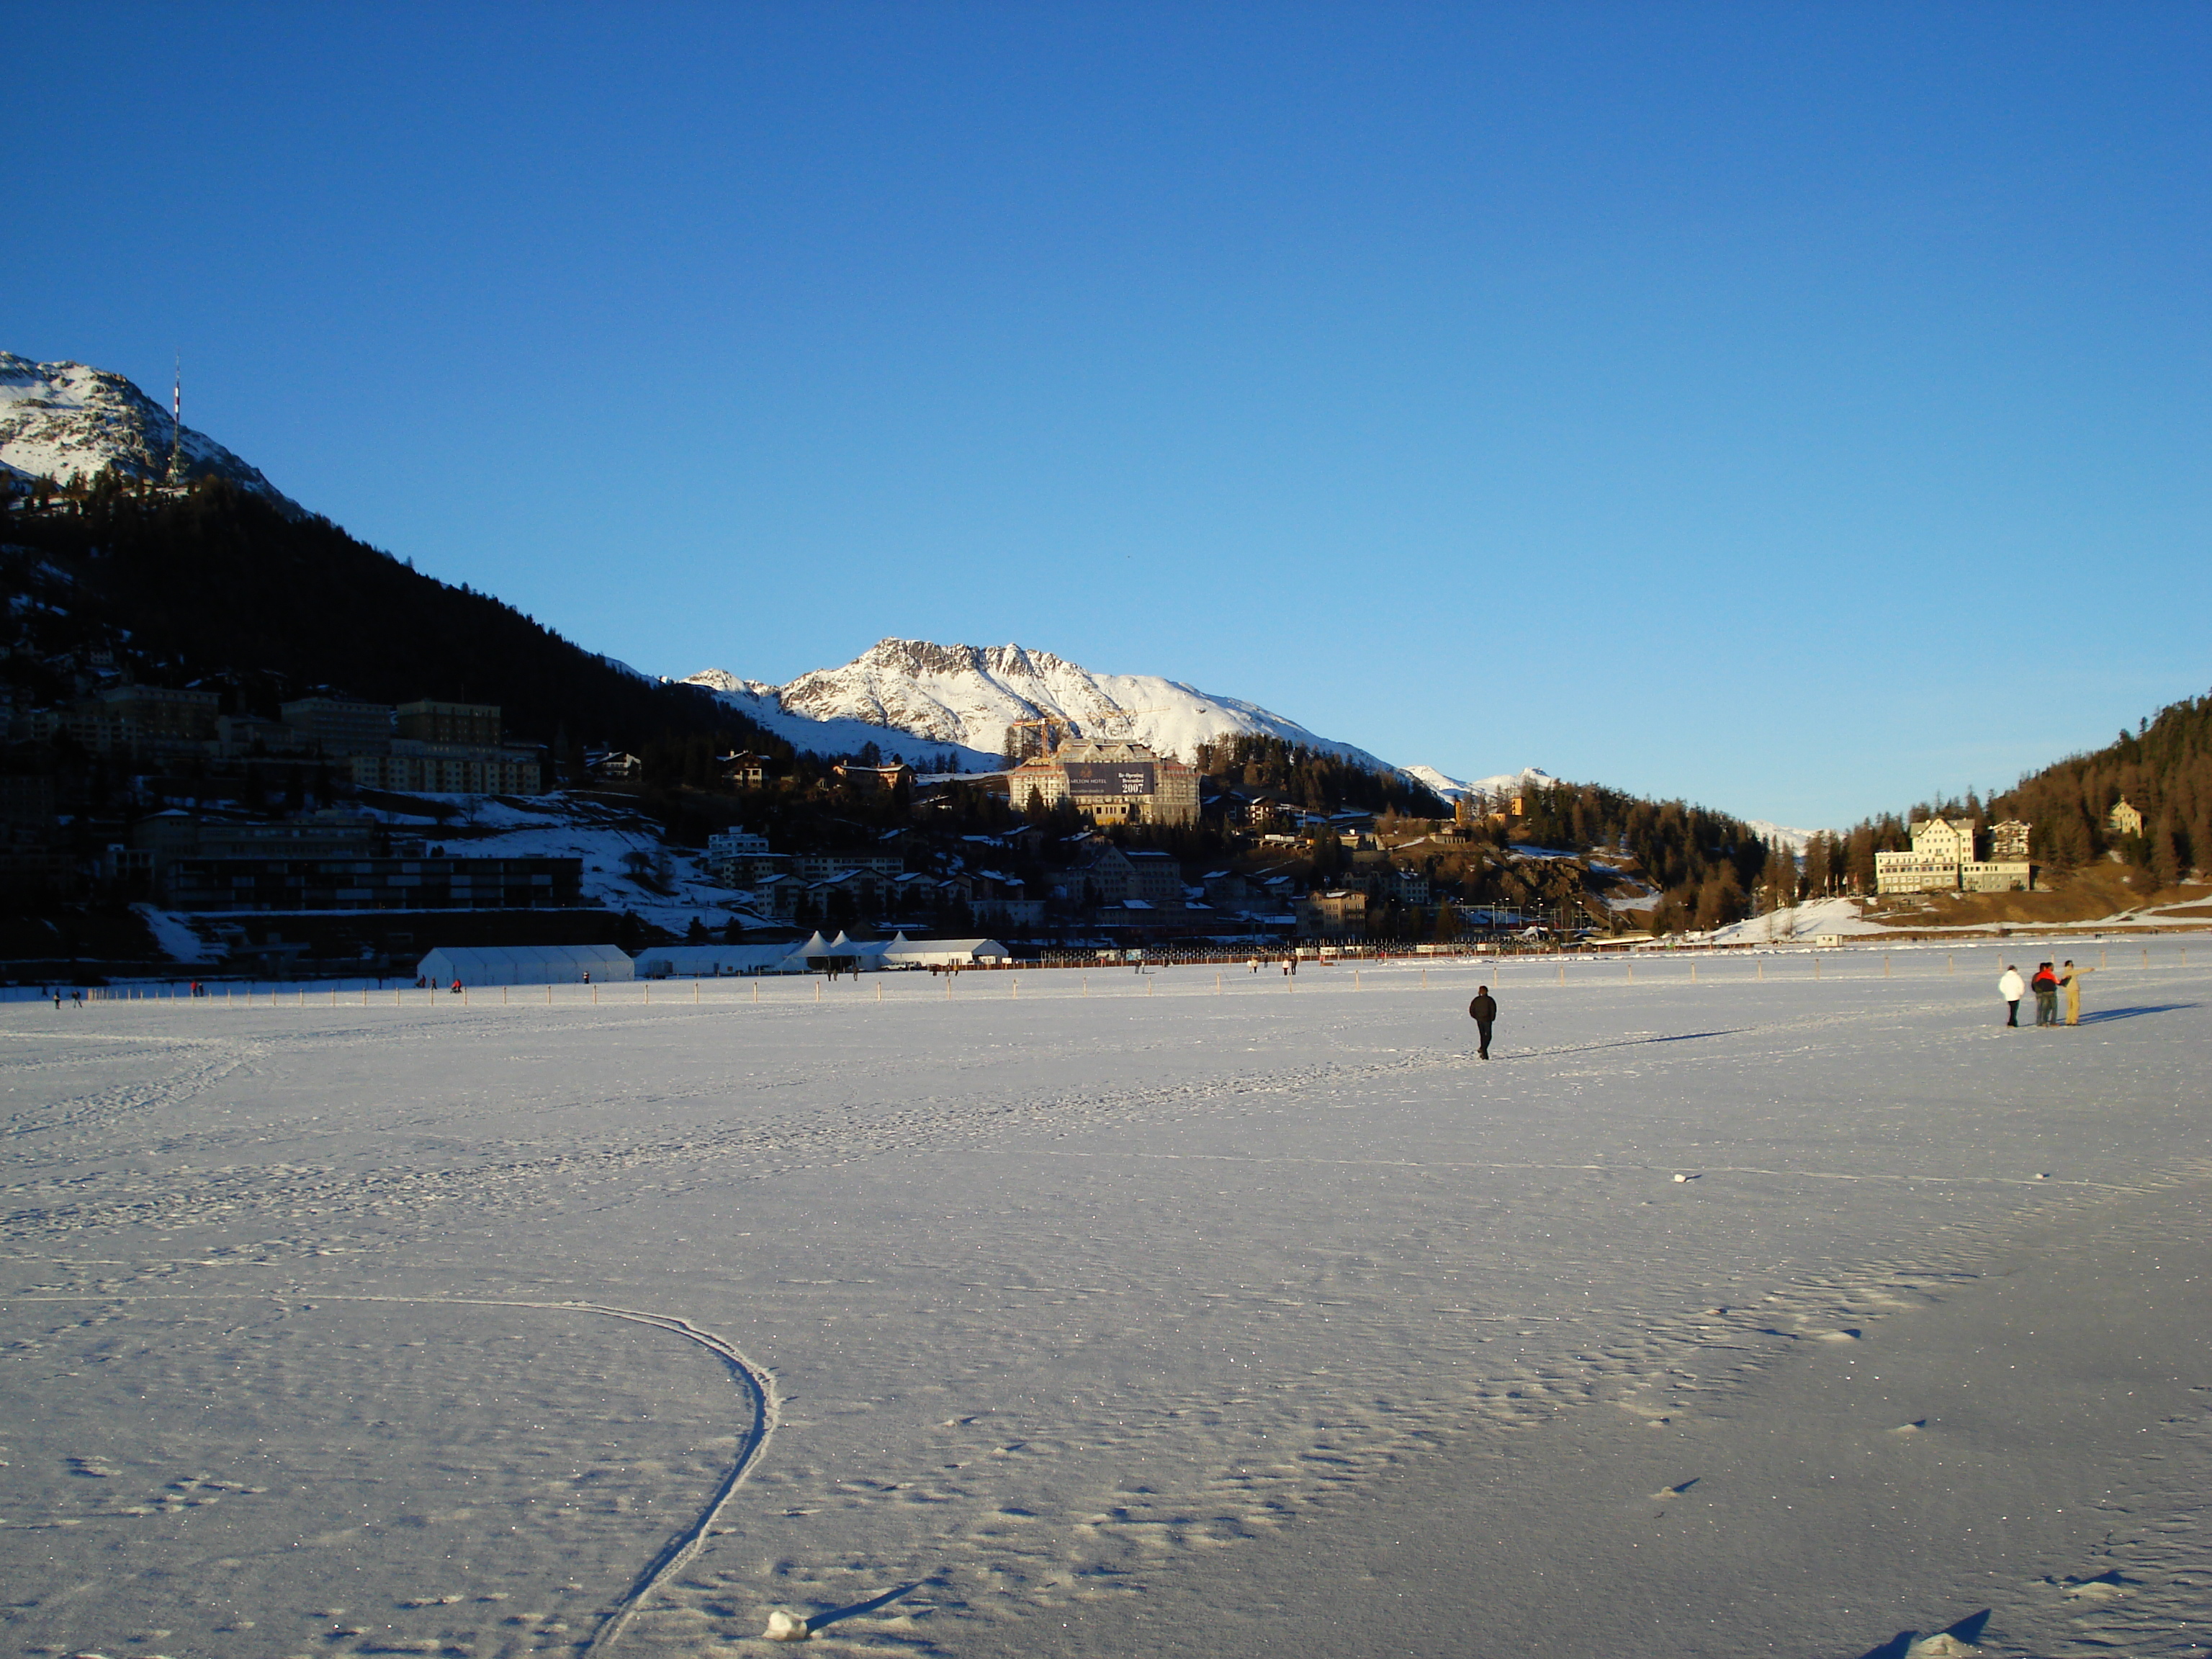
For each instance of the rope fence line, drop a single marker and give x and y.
(1048, 982)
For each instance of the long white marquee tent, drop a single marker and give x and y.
(572, 964)
(526, 964)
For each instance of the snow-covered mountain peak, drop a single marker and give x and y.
(1504, 783)
(63, 420)
(917, 699)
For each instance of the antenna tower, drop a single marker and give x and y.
(176, 421)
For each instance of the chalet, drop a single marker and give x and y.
(613, 766)
(875, 780)
(744, 770)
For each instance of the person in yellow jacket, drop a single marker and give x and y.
(2069, 977)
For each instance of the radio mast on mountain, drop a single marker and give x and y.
(176, 421)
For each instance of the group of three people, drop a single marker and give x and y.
(2046, 985)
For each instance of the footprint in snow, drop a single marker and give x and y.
(2105, 1587)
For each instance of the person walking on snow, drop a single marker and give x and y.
(2070, 977)
(2045, 984)
(1484, 1012)
(2012, 988)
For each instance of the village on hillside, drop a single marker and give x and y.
(151, 824)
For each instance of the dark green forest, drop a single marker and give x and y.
(1312, 779)
(214, 583)
(1709, 866)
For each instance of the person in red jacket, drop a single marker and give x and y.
(2045, 986)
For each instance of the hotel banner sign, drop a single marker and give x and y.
(1108, 779)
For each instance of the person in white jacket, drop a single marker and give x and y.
(2011, 988)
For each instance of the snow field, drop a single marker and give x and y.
(1048, 1309)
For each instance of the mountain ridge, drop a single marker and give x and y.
(917, 699)
(64, 420)
(912, 698)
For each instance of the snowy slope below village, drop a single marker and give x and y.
(62, 420)
(917, 700)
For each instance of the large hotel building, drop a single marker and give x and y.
(1108, 783)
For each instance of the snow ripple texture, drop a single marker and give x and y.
(965, 1320)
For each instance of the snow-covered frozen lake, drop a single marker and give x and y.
(1118, 1313)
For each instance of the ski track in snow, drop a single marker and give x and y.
(758, 1385)
(998, 1512)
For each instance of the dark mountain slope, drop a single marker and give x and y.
(217, 584)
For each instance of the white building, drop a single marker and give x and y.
(1943, 860)
(526, 964)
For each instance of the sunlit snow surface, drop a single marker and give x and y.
(1115, 1313)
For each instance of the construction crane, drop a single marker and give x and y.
(1041, 736)
(1036, 739)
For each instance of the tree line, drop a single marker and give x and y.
(1315, 779)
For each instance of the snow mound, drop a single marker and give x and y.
(1801, 923)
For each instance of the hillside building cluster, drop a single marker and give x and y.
(424, 747)
(1957, 855)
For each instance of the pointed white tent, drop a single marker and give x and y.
(803, 957)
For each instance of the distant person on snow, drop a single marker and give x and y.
(1484, 1012)
(2070, 977)
(2046, 994)
(455, 987)
(2011, 988)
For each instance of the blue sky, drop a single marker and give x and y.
(1800, 409)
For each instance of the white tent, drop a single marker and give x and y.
(842, 954)
(525, 964)
(903, 952)
(805, 959)
(712, 961)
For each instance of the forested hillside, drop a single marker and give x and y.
(2163, 769)
(1711, 868)
(1312, 778)
(217, 584)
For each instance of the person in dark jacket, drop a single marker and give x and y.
(2045, 986)
(1484, 1012)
